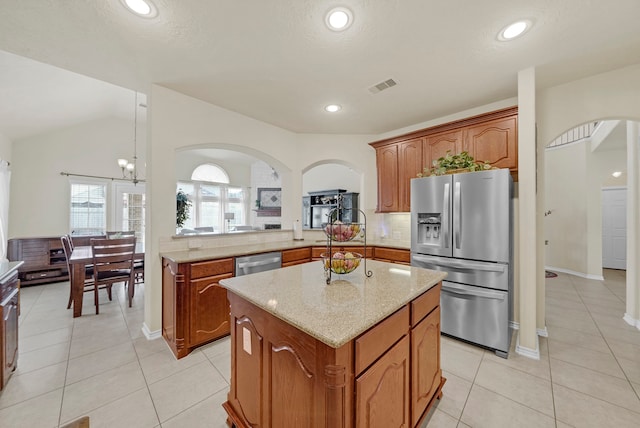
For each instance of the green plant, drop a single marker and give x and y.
(452, 162)
(182, 208)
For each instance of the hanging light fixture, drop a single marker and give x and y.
(129, 169)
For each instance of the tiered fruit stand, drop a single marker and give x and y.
(338, 231)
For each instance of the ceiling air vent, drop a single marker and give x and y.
(382, 86)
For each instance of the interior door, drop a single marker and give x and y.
(129, 208)
(614, 228)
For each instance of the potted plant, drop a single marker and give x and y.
(450, 164)
(182, 208)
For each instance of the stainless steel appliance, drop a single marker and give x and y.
(462, 224)
(258, 263)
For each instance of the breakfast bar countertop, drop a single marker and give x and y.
(334, 313)
(210, 253)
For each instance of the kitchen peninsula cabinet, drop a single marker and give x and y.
(346, 354)
(9, 312)
(490, 137)
(296, 256)
(195, 309)
(393, 255)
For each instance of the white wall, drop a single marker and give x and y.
(330, 176)
(40, 195)
(186, 162)
(262, 176)
(5, 147)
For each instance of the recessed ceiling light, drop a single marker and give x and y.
(144, 8)
(617, 174)
(332, 108)
(514, 30)
(339, 19)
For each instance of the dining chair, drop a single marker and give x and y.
(138, 265)
(67, 247)
(113, 263)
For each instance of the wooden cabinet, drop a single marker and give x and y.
(44, 259)
(426, 374)
(382, 392)
(393, 255)
(437, 146)
(387, 166)
(296, 256)
(316, 252)
(494, 142)
(397, 165)
(490, 137)
(9, 306)
(389, 376)
(195, 309)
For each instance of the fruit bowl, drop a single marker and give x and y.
(341, 263)
(342, 232)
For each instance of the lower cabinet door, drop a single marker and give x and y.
(9, 336)
(382, 391)
(209, 310)
(425, 361)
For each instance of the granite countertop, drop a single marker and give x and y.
(340, 311)
(200, 254)
(7, 268)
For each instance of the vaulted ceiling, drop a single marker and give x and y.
(276, 61)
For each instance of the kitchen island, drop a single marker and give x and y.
(359, 352)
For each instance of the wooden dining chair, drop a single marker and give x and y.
(113, 263)
(67, 247)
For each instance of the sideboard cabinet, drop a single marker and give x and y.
(490, 137)
(43, 257)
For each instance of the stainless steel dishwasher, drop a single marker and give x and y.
(258, 263)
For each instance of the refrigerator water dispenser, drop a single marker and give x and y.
(429, 225)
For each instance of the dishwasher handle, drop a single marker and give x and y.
(259, 263)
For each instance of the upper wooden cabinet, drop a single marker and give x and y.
(495, 142)
(387, 164)
(491, 137)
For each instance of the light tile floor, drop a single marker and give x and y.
(103, 367)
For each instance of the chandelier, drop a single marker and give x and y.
(129, 169)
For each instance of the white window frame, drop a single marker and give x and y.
(89, 182)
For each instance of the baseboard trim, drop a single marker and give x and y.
(534, 354)
(574, 273)
(543, 332)
(631, 321)
(150, 335)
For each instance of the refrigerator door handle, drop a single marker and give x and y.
(457, 213)
(486, 267)
(446, 229)
(466, 291)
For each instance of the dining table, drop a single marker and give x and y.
(81, 258)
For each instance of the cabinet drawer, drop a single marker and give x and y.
(392, 254)
(317, 251)
(423, 305)
(42, 274)
(211, 268)
(372, 344)
(295, 255)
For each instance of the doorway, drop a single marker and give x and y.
(614, 228)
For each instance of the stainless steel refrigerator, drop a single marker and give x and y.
(463, 224)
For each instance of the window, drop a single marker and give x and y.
(210, 200)
(88, 212)
(210, 172)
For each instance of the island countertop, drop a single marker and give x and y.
(338, 312)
